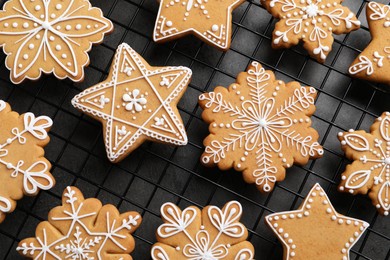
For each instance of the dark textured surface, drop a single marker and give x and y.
(155, 173)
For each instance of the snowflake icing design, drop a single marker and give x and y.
(25, 175)
(206, 232)
(312, 21)
(50, 36)
(86, 230)
(261, 126)
(370, 170)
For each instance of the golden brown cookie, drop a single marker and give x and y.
(260, 126)
(373, 63)
(209, 20)
(23, 167)
(82, 229)
(316, 230)
(370, 169)
(311, 21)
(50, 36)
(208, 234)
(135, 103)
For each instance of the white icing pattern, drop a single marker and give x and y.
(262, 130)
(135, 99)
(312, 21)
(372, 169)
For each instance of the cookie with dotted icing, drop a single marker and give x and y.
(209, 20)
(137, 102)
(370, 170)
(316, 230)
(82, 229)
(374, 62)
(210, 233)
(50, 36)
(311, 21)
(23, 168)
(260, 126)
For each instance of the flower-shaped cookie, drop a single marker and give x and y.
(370, 170)
(82, 229)
(23, 168)
(208, 234)
(310, 21)
(50, 36)
(260, 126)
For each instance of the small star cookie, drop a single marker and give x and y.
(50, 36)
(260, 126)
(23, 168)
(209, 20)
(370, 169)
(373, 63)
(82, 229)
(135, 103)
(208, 234)
(310, 21)
(316, 230)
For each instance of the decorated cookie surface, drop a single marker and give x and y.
(260, 126)
(311, 21)
(209, 20)
(370, 169)
(82, 229)
(208, 234)
(50, 36)
(23, 168)
(374, 62)
(136, 102)
(316, 230)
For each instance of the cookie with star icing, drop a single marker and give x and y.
(311, 21)
(50, 36)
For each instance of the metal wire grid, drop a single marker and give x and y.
(155, 173)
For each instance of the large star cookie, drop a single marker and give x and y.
(374, 62)
(208, 234)
(23, 168)
(310, 21)
(136, 102)
(316, 230)
(82, 229)
(260, 126)
(50, 36)
(370, 169)
(209, 20)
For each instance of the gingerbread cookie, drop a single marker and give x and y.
(316, 230)
(260, 126)
(374, 62)
(310, 21)
(208, 234)
(370, 169)
(209, 20)
(82, 229)
(136, 102)
(50, 36)
(23, 168)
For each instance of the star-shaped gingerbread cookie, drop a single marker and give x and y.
(316, 230)
(135, 103)
(374, 62)
(209, 20)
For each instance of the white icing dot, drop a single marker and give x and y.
(37, 7)
(58, 6)
(78, 26)
(58, 47)
(51, 38)
(25, 56)
(169, 23)
(68, 27)
(15, 25)
(64, 56)
(214, 28)
(53, 16)
(25, 25)
(31, 46)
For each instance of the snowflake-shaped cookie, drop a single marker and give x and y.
(208, 234)
(82, 229)
(23, 169)
(50, 36)
(260, 126)
(370, 170)
(310, 21)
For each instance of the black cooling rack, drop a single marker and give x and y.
(155, 173)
